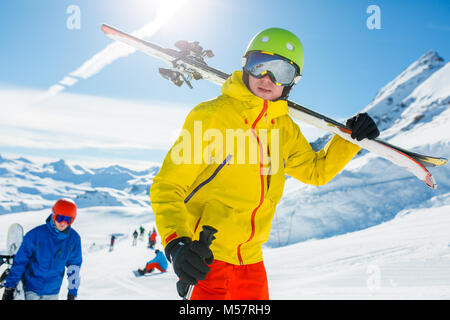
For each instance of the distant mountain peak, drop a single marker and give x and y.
(394, 99)
(389, 102)
(431, 58)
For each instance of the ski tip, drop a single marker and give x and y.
(432, 161)
(107, 29)
(429, 181)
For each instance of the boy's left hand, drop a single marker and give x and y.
(362, 126)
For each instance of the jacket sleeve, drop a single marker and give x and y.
(317, 168)
(21, 260)
(179, 171)
(74, 265)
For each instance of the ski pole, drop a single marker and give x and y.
(206, 237)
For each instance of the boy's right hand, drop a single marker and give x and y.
(190, 260)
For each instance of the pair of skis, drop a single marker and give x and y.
(188, 63)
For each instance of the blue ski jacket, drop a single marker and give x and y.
(41, 260)
(160, 259)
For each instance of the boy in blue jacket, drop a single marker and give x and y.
(159, 262)
(44, 254)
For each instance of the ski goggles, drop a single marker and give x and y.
(281, 71)
(61, 218)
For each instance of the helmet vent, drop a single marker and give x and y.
(265, 39)
(290, 46)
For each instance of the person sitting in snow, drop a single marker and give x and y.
(159, 262)
(44, 254)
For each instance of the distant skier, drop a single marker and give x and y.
(236, 189)
(141, 233)
(135, 235)
(152, 239)
(44, 254)
(159, 262)
(111, 244)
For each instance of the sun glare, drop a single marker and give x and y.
(165, 10)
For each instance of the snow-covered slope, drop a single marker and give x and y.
(405, 258)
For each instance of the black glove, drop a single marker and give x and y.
(8, 294)
(70, 296)
(190, 259)
(363, 126)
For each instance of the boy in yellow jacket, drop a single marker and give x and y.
(227, 170)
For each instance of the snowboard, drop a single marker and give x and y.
(14, 238)
(137, 274)
(188, 63)
(13, 241)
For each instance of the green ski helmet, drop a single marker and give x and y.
(281, 42)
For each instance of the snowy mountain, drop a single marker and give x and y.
(412, 112)
(393, 99)
(30, 186)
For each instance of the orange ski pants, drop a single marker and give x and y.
(233, 282)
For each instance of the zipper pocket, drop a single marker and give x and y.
(205, 182)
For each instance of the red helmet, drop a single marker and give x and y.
(64, 210)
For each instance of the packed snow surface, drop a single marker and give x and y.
(405, 258)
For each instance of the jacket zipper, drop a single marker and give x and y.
(203, 183)
(263, 111)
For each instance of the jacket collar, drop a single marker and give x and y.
(60, 235)
(234, 87)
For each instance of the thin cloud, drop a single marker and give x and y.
(165, 11)
(68, 122)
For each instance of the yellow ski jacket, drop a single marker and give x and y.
(227, 170)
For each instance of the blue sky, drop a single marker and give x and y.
(345, 62)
